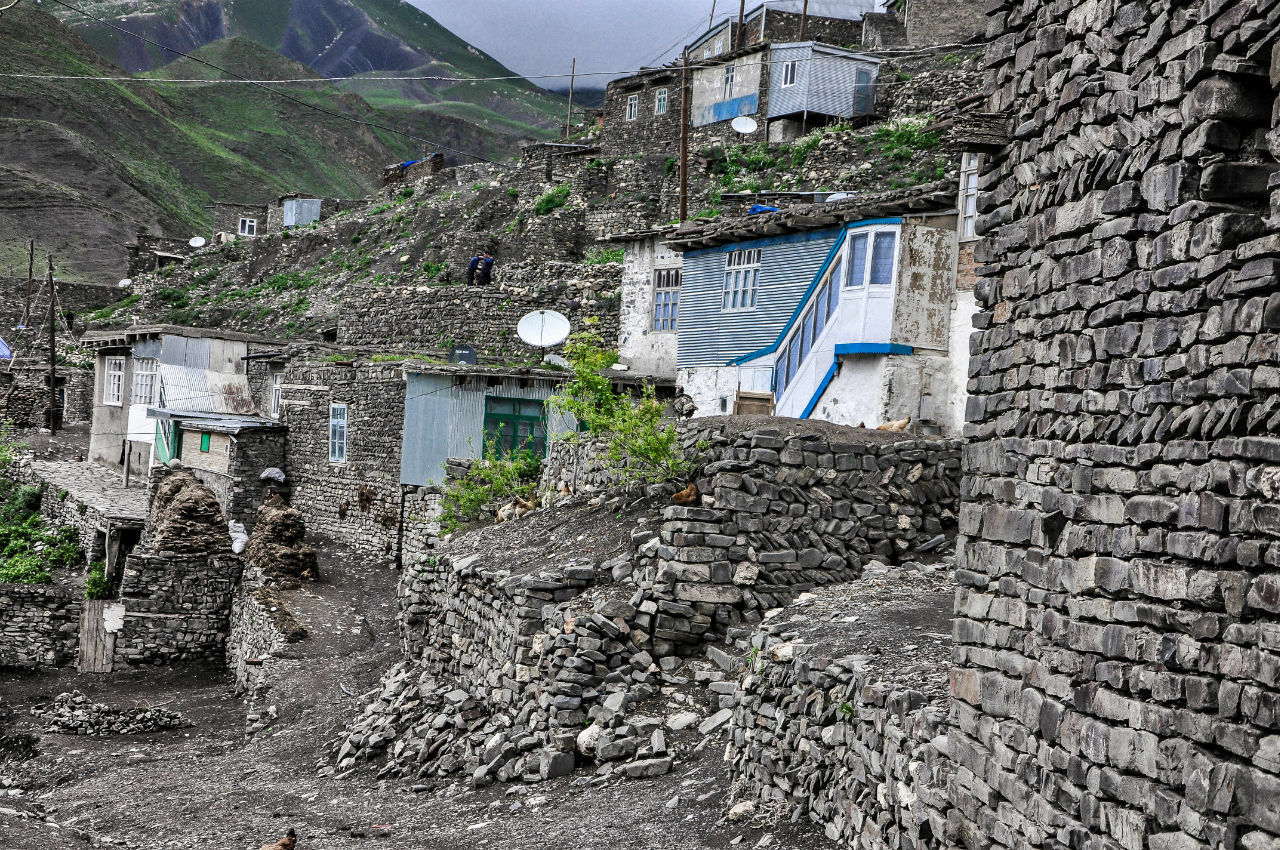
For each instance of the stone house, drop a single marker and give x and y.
(245, 221)
(368, 441)
(649, 312)
(831, 21)
(148, 380)
(842, 311)
(232, 220)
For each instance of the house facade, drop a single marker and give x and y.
(649, 321)
(832, 21)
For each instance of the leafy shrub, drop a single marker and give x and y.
(553, 200)
(96, 586)
(901, 138)
(406, 193)
(28, 550)
(492, 479)
(107, 312)
(433, 270)
(604, 256)
(641, 445)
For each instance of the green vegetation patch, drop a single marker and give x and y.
(553, 200)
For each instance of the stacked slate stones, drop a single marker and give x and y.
(1119, 646)
(74, 713)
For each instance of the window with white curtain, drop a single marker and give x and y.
(633, 107)
(337, 433)
(741, 279)
(660, 102)
(969, 169)
(144, 381)
(113, 382)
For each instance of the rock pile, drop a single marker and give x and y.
(75, 714)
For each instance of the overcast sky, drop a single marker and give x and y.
(542, 36)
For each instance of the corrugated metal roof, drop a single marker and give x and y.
(184, 388)
(712, 336)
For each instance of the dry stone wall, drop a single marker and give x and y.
(1116, 678)
(177, 607)
(39, 625)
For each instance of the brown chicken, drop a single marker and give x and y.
(687, 496)
(896, 427)
(289, 842)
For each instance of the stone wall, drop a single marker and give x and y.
(945, 21)
(39, 625)
(177, 607)
(357, 500)
(649, 133)
(239, 489)
(1116, 662)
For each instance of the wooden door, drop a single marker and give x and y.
(97, 645)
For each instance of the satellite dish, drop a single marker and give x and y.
(126, 283)
(745, 125)
(464, 354)
(543, 328)
(197, 242)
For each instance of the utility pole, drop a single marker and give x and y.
(685, 116)
(31, 273)
(573, 78)
(804, 18)
(54, 416)
(742, 18)
(711, 23)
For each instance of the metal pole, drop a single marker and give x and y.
(573, 78)
(804, 18)
(53, 358)
(685, 116)
(31, 273)
(742, 17)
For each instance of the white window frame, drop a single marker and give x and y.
(660, 102)
(741, 281)
(730, 80)
(970, 168)
(248, 226)
(277, 393)
(790, 70)
(339, 424)
(113, 382)
(719, 46)
(633, 107)
(666, 281)
(146, 381)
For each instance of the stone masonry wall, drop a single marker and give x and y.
(177, 607)
(944, 21)
(39, 625)
(357, 500)
(1117, 631)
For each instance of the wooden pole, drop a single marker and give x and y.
(128, 450)
(711, 23)
(31, 273)
(685, 116)
(54, 416)
(742, 18)
(804, 18)
(573, 78)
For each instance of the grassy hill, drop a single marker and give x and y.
(85, 164)
(354, 39)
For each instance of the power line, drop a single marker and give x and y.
(265, 87)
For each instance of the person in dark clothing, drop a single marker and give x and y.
(471, 269)
(486, 268)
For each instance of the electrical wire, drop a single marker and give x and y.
(268, 88)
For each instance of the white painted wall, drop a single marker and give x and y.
(708, 385)
(965, 307)
(646, 351)
(855, 395)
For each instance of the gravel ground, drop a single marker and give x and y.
(209, 787)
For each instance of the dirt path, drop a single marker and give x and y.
(208, 787)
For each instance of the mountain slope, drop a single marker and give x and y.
(84, 164)
(335, 38)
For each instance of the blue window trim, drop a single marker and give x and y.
(808, 293)
(822, 388)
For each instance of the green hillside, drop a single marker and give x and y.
(85, 164)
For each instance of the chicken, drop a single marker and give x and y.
(289, 842)
(514, 509)
(897, 427)
(687, 496)
(564, 489)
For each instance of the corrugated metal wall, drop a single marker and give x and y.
(443, 419)
(788, 100)
(826, 83)
(711, 336)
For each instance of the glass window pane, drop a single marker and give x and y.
(793, 361)
(821, 310)
(805, 338)
(882, 259)
(857, 260)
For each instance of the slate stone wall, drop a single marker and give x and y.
(240, 491)
(39, 625)
(358, 500)
(649, 133)
(1117, 623)
(177, 607)
(944, 21)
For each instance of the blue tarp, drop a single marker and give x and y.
(6, 353)
(756, 209)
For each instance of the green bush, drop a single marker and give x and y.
(604, 256)
(553, 200)
(96, 586)
(641, 445)
(492, 479)
(902, 138)
(29, 551)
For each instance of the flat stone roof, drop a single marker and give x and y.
(98, 487)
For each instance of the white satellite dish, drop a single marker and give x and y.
(745, 124)
(197, 242)
(544, 328)
(126, 283)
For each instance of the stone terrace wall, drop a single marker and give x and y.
(39, 625)
(357, 501)
(1117, 631)
(177, 607)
